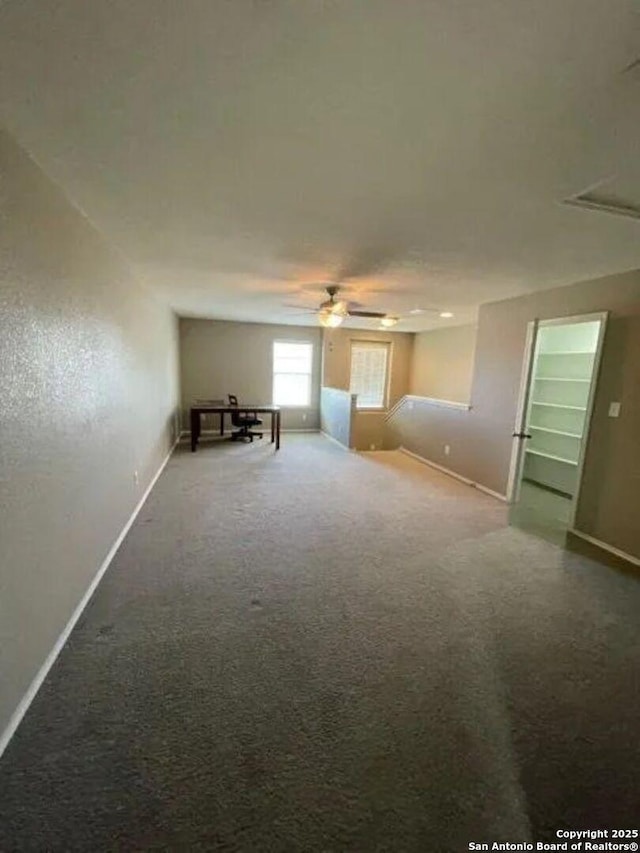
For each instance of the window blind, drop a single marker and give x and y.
(369, 361)
(292, 373)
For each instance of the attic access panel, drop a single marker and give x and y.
(619, 196)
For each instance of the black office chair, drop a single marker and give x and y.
(243, 422)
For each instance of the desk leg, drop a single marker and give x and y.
(273, 426)
(195, 430)
(279, 415)
(221, 423)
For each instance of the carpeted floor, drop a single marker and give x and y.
(321, 651)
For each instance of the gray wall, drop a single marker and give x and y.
(88, 383)
(480, 439)
(218, 357)
(442, 363)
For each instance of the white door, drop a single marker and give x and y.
(520, 435)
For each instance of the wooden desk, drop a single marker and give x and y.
(197, 411)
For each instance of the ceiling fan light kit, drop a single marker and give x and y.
(333, 312)
(340, 307)
(330, 319)
(388, 322)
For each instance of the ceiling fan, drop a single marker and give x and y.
(333, 311)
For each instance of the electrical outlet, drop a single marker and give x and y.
(447, 450)
(372, 447)
(304, 416)
(136, 478)
(614, 410)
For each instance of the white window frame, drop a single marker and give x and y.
(309, 375)
(387, 347)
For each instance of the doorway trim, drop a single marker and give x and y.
(522, 408)
(517, 448)
(603, 316)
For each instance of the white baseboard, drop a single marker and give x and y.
(605, 546)
(436, 466)
(491, 492)
(453, 474)
(32, 690)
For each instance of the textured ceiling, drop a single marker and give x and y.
(237, 153)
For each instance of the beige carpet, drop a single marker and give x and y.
(320, 651)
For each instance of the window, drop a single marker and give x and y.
(369, 361)
(292, 373)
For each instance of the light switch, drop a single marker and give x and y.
(614, 410)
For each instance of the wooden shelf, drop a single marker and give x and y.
(556, 431)
(559, 406)
(559, 379)
(558, 401)
(569, 352)
(551, 456)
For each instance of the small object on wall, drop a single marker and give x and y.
(614, 410)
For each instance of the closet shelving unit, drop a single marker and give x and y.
(560, 388)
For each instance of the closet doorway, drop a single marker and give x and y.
(559, 377)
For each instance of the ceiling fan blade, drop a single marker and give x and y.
(300, 308)
(367, 314)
